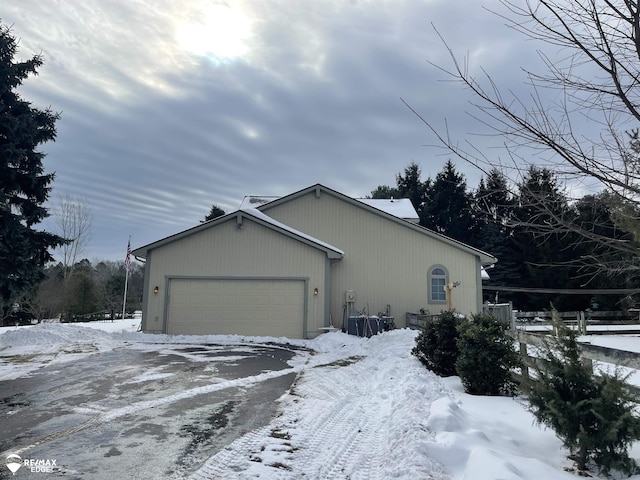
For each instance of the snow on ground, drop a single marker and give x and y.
(359, 409)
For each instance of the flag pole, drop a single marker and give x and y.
(127, 264)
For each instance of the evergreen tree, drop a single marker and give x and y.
(448, 208)
(411, 186)
(545, 253)
(595, 218)
(493, 206)
(436, 346)
(486, 356)
(215, 212)
(385, 191)
(82, 297)
(24, 187)
(493, 199)
(594, 417)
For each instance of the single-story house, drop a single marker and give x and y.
(294, 265)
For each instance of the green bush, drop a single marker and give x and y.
(486, 356)
(436, 345)
(593, 416)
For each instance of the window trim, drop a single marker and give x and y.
(430, 278)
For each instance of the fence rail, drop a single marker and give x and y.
(419, 321)
(588, 353)
(587, 323)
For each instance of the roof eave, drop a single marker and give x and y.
(485, 258)
(331, 252)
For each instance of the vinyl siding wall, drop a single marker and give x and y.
(384, 262)
(225, 251)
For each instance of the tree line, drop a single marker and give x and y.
(90, 289)
(519, 224)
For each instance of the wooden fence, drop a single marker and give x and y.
(419, 321)
(586, 322)
(588, 352)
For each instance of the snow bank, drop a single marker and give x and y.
(485, 438)
(46, 337)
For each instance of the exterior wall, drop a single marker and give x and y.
(385, 262)
(225, 251)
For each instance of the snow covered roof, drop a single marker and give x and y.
(254, 201)
(485, 258)
(292, 231)
(399, 207)
(256, 215)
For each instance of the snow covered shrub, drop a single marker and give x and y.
(436, 345)
(487, 355)
(593, 416)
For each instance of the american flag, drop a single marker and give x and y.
(127, 259)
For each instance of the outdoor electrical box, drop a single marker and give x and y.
(350, 296)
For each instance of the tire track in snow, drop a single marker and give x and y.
(335, 432)
(229, 463)
(346, 442)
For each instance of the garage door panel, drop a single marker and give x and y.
(230, 306)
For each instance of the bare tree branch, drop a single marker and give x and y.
(593, 76)
(73, 218)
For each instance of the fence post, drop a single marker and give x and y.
(512, 316)
(587, 362)
(582, 323)
(523, 360)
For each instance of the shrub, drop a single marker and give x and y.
(593, 416)
(436, 345)
(486, 356)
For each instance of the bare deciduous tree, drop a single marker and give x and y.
(73, 218)
(595, 82)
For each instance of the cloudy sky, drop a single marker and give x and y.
(170, 106)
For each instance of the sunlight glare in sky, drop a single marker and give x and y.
(220, 31)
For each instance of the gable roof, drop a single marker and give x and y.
(318, 189)
(259, 216)
(239, 215)
(400, 207)
(332, 252)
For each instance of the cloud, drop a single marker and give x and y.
(156, 128)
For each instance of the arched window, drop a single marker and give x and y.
(437, 281)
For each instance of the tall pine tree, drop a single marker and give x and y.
(412, 187)
(24, 187)
(448, 207)
(493, 205)
(545, 251)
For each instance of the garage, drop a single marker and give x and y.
(242, 306)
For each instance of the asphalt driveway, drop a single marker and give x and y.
(129, 413)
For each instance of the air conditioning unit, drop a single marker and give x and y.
(350, 296)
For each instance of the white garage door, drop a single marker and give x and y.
(243, 307)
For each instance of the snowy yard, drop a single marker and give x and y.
(359, 409)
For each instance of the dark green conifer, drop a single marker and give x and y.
(24, 186)
(593, 416)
